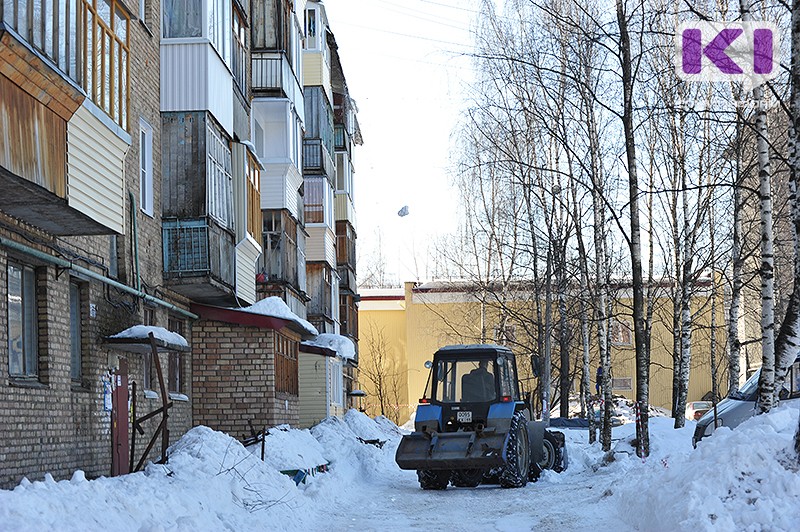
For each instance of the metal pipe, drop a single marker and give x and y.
(135, 241)
(93, 275)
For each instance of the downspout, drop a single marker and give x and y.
(135, 242)
(93, 275)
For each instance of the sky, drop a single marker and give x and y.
(406, 66)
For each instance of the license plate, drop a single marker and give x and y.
(464, 416)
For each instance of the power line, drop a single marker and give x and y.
(426, 19)
(450, 6)
(340, 23)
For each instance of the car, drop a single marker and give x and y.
(741, 405)
(696, 409)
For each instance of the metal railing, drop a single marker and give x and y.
(185, 247)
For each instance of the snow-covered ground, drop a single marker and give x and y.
(736, 480)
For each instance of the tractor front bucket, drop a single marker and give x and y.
(451, 450)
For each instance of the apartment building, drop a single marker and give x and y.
(80, 236)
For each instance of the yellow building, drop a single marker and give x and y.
(401, 328)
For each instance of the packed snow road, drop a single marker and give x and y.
(574, 502)
(745, 479)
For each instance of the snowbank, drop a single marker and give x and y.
(735, 480)
(211, 482)
(288, 449)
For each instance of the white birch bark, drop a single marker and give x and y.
(642, 362)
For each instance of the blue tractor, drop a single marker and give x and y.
(474, 427)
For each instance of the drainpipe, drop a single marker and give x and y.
(135, 242)
(93, 275)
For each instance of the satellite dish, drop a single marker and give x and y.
(403, 212)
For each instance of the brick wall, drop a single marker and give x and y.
(56, 425)
(234, 379)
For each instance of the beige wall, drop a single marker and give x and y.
(416, 326)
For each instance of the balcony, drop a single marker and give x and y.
(347, 279)
(199, 260)
(316, 159)
(272, 73)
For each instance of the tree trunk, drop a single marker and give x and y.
(548, 335)
(642, 362)
(734, 344)
(563, 339)
(766, 382)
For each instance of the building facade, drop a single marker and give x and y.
(402, 328)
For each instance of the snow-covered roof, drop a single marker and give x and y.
(274, 307)
(139, 335)
(343, 345)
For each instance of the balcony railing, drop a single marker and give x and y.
(273, 72)
(186, 247)
(198, 247)
(316, 157)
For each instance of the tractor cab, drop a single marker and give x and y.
(466, 382)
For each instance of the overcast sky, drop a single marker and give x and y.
(405, 67)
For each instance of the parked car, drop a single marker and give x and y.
(741, 405)
(696, 409)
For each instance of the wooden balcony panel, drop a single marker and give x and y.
(29, 72)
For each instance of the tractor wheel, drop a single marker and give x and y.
(467, 478)
(560, 461)
(433, 480)
(548, 453)
(515, 472)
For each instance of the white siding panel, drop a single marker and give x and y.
(247, 253)
(95, 170)
(344, 209)
(273, 186)
(220, 91)
(321, 244)
(312, 68)
(184, 76)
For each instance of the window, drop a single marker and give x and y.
(285, 365)
(505, 334)
(219, 24)
(23, 321)
(175, 365)
(182, 18)
(145, 167)
(311, 28)
(621, 332)
(76, 332)
(50, 26)
(315, 198)
(105, 57)
(219, 178)
(239, 64)
(254, 219)
(465, 381)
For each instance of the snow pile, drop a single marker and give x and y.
(350, 457)
(141, 332)
(343, 345)
(287, 449)
(735, 480)
(274, 307)
(210, 482)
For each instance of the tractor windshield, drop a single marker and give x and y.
(465, 381)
